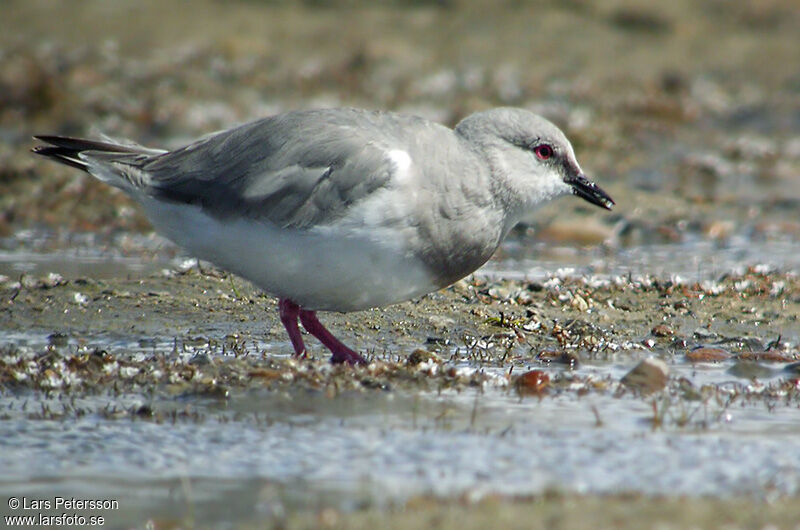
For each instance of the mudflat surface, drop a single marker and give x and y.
(638, 367)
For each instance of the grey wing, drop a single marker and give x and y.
(293, 170)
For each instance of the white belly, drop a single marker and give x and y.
(326, 268)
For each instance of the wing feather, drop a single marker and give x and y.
(296, 170)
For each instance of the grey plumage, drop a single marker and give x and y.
(308, 169)
(295, 170)
(343, 209)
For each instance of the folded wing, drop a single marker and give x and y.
(295, 170)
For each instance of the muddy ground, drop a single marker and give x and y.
(746, 323)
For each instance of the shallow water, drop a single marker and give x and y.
(37, 253)
(71, 255)
(263, 453)
(696, 260)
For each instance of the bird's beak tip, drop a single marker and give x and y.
(590, 192)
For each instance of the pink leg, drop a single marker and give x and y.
(289, 312)
(341, 353)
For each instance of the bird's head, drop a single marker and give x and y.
(531, 159)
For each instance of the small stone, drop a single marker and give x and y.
(499, 293)
(568, 358)
(80, 298)
(579, 303)
(532, 383)
(704, 333)
(58, 339)
(144, 411)
(52, 280)
(650, 375)
(768, 356)
(662, 330)
(678, 343)
(420, 356)
(707, 355)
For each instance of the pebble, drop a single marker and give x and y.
(420, 356)
(568, 358)
(704, 333)
(706, 354)
(579, 303)
(662, 330)
(649, 376)
(80, 299)
(532, 383)
(58, 339)
(768, 356)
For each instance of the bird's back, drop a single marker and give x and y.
(390, 189)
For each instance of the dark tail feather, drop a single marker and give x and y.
(66, 150)
(59, 154)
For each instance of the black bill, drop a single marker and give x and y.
(589, 191)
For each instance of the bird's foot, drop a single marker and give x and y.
(346, 355)
(341, 353)
(291, 312)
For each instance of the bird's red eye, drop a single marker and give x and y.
(543, 151)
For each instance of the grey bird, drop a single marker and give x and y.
(343, 209)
